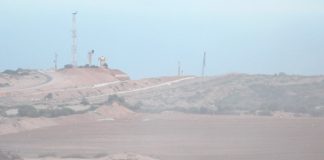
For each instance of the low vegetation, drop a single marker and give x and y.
(47, 155)
(237, 94)
(19, 71)
(4, 85)
(100, 155)
(27, 111)
(31, 111)
(3, 110)
(74, 156)
(116, 99)
(9, 156)
(88, 66)
(49, 96)
(68, 66)
(261, 95)
(121, 100)
(84, 101)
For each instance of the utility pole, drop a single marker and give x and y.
(179, 68)
(74, 40)
(55, 61)
(203, 65)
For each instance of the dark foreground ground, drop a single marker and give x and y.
(184, 138)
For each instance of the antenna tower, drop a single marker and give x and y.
(179, 68)
(74, 40)
(55, 61)
(203, 65)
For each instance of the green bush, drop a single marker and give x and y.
(135, 107)
(115, 98)
(45, 155)
(100, 155)
(4, 85)
(94, 66)
(19, 71)
(56, 112)
(74, 156)
(67, 66)
(84, 101)
(30, 111)
(317, 112)
(49, 96)
(264, 113)
(10, 72)
(27, 111)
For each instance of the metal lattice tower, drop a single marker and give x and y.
(55, 62)
(203, 65)
(74, 40)
(179, 68)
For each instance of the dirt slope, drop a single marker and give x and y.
(103, 113)
(21, 79)
(71, 85)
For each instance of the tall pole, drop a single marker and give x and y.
(179, 68)
(203, 65)
(74, 40)
(55, 61)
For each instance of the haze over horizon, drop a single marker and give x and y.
(148, 38)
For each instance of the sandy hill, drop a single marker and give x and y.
(74, 77)
(25, 86)
(228, 94)
(70, 85)
(237, 94)
(13, 80)
(19, 80)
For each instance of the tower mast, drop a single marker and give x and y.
(179, 68)
(74, 40)
(203, 65)
(55, 61)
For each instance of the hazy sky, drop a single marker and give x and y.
(148, 37)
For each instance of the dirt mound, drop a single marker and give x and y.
(82, 76)
(115, 111)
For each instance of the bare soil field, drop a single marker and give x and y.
(177, 136)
